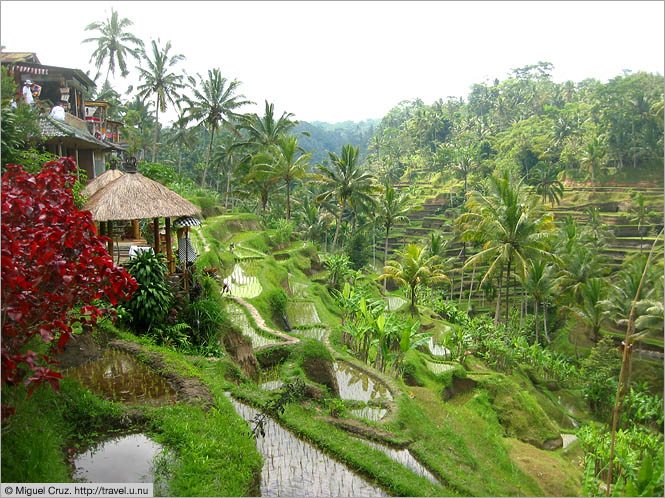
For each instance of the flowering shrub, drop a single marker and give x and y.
(55, 269)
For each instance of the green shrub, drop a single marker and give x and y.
(206, 317)
(153, 298)
(277, 302)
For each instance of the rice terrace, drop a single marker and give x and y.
(206, 294)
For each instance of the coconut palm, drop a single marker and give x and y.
(159, 80)
(415, 268)
(546, 183)
(464, 163)
(512, 225)
(595, 228)
(180, 136)
(393, 207)
(593, 310)
(214, 105)
(640, 216)
(346, 182)
(264, 131)
(287, 162)
(539, 283)
(112, 44)
(592, 158)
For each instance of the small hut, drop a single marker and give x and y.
(103, 180)
(133, 196)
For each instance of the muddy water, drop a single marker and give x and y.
(436, 349)
(122, 459)
(239, 319)
(370, 413)
(395, 303)
(292, 467)
(302, 313)
(119, 377)
(313, 333)
(243, 281)
(402, 456)
(357, 385)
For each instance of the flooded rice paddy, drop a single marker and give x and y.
(438, 368)
(239, 319)
(357, 385)
(372, 413)
(436, 349)
(395, 302)
(270, 379)
(298, 289)
(302, 313)
(311, 333)
(403, 457)
(117, 376)
(121, 459)
(568, 439)
(243, 280)
(292, 467)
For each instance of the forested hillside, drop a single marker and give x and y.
(331, 137)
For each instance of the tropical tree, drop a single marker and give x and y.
(287, 162)
(415, 268)
(113, 44)
(181, 136)
(159, 80)
(346, 182)
(464, 163)
(512, 224)
(264, 131)
(592, 157)
(539, 283)
(546, 183)
(214, 105)
(393, 207)
(640, 216)
(593, 310)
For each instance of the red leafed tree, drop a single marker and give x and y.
(55, 268)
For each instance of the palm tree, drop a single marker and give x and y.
(393, 207)
(595, 228)
(346, 182)
(640, 216)
(513, 225)
(285, 162)
(180, 136)
(539, 284)
(415, 268)
(264, 131)
(214, 105)
(592, 310)
(158, 80)
(592, 157)
(112, 44)
(546, 184)
(464, 163)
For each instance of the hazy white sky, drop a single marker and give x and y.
(333, 61)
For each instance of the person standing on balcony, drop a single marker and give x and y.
(27, 93)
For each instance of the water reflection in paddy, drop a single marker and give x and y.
(243, 281)
(355, 384)
(239, 319)
(121, 459)
(395, 302)
(312, 333)
(292, 467)
(119, 377)
(302, 313)
(370, 413)
(437, 349)
(402, 456)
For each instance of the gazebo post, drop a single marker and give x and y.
(169, 249)
(102, 228)
(109, 229)
(155, 223)
(137, 231)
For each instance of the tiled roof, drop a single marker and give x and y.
(53, 128)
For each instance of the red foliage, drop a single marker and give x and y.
(52, 261)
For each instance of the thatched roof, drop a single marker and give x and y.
(135, 197)
(101, 181)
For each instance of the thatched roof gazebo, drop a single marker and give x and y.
(133, 196)
(101, 181)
